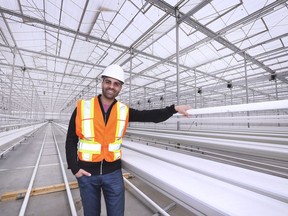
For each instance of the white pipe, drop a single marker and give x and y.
(28, 192)
(68, 191)
(229, 121)
(268, 105)
(158, 208)
(268, 150)
(235, 117)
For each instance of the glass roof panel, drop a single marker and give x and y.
(61, 47)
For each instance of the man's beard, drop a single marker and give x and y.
(109, 93)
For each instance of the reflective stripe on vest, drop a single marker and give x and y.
(121, 121)
(88, 148)
(87, 107)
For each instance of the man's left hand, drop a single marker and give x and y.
(182, 109)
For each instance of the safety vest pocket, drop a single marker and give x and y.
(117, 154)
(87, 150)
(89, 147)
(113, 155)
(114, 147)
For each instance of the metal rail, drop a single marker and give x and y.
(68, 190)
(144, 196)
(27, 195)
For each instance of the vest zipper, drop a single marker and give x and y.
(105, 120)
(101, 167)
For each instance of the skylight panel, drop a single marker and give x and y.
(129, 36)
(112, 54)
(205, 15)
(186, 6)
(277, 22)
(33, 8)
(82, 50)
(256, 51)
(59, 64)
(65, 44)
(71, 14)
(272, 45)
(52, 11)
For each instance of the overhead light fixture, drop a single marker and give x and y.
(272, 77)
(229, 85)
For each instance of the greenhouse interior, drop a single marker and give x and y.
(226, 60)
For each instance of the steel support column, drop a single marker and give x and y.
(177, 62)
(130, 77)
(195, 87)
(246, 85)
(11, 84)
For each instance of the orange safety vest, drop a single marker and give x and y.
(98, 141)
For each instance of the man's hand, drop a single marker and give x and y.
(82, 172)
(182, 109)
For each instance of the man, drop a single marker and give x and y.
(94, 138)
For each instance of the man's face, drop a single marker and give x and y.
(111, 87)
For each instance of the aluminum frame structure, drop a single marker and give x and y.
(204, 53)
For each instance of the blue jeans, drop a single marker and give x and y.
(112, 185)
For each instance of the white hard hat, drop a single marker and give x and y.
(114, 71)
